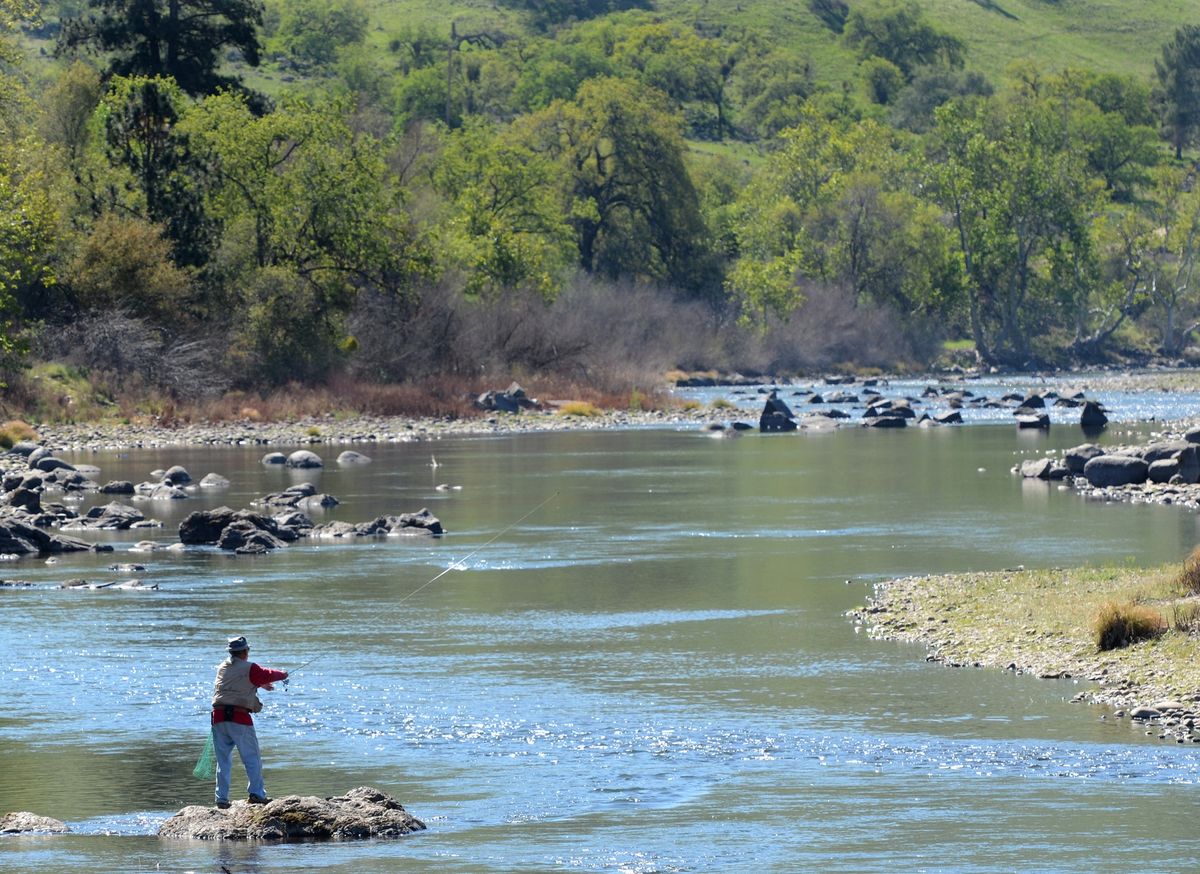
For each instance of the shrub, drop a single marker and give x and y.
(313, 431)
(578, 408)
(691, 405)
(12, 433)
(1119, 625)
(1189, 575)
(722, 404)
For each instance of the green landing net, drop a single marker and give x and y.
(205, 769)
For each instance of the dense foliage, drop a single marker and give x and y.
(417, 201)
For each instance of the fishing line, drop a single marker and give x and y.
(453, 565)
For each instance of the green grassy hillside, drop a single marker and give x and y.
(1111, 35)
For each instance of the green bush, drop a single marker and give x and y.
(1119, 625)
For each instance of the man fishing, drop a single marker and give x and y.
(235, 697)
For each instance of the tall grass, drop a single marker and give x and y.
(1189, 575)
(1119, 625)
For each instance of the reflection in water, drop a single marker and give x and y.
(655, 658)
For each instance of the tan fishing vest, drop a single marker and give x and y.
(233, 686)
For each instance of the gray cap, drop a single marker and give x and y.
(238, 644)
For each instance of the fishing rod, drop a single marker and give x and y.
(453, 565)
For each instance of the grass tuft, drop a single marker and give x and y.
(1119, 625)
(579, 408)
(13, 432)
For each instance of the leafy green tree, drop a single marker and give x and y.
(913, 106)
(631, 201)
(28, 237)
(1159, 254)
(309, 204)
(13, 97)
(67, 110)
(506, 225)
(422, 95)
(686, 67)
(554, 70)
(771, 86)
(179, 39)
(1178, 91)
(1018, 194)
(313, 31)
(884, 80)
(897, 31)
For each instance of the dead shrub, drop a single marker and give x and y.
(1119, 625)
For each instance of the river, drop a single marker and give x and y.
(652, 672)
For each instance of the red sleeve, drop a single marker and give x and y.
(261, 676)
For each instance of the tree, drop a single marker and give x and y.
(13, 98)
(506, 226)
(27, 236)
(630, 199)
(157, 175)
(312, 31)
(1160, 253)
(68, 107)
(309, 221)
(898, 32)
(1020, 200)
(179, 39)
(1178, 92)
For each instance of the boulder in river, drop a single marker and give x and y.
(1076, 457)
(109, 517)
(884, 422)
(776, 415)
(177, 475)
(274, 458)
(117, 487)
(1092, 415)
(302, 458)
(22, 821)
(1115, 470)
(360, 813)
(1038, 421)
(48, 463)
(350, 457)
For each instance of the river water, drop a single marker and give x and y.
(652, 672)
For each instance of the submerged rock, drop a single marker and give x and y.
(360, 813)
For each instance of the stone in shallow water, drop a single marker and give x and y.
(23, 821)
(360, 813)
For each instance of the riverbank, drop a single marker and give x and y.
(1040, 622)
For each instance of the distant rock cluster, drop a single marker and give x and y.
(31, 472)
(942, 405)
